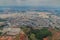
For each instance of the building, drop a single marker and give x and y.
(11, 31)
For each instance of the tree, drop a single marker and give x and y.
(32, 36)
(0, 33)
(36, 34)
(17, 37)
(40, 34)
(26, 29)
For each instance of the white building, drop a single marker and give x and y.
(11, 31)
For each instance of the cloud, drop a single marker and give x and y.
(31, 2)
(43, 2)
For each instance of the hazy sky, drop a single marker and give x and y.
(30, 2)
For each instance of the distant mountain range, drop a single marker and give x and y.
(29, 8)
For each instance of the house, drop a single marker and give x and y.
(23, 36)
(56, 36)
(46, 38)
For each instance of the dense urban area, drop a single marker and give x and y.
(29, 25)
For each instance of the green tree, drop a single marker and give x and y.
(26, 29)
(40, 34)
(0, 33)
(32, 36)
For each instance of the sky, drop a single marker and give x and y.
(55, 3)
